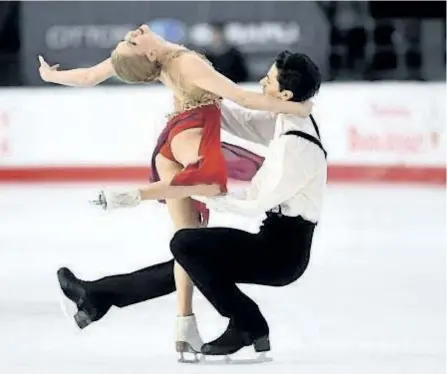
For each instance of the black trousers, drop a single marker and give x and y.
(217, 259)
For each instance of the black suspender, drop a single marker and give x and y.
(314, 123)
(308, 137)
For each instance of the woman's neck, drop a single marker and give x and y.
(166, 50)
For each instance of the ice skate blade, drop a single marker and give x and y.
(69, 309)
(186, 351)
(229, 360)
(196, 359)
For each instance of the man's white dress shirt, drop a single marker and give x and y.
(293, 175)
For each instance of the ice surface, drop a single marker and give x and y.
(372, 300)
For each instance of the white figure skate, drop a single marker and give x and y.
(188, 339)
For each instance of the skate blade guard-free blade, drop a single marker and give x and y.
(259, 358)
(244, 357)
(187, 354)
(69, 309)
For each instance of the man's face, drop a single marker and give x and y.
(270, 85)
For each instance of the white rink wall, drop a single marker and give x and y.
(393, 132)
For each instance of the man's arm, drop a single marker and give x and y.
(254, 126)
(85, 77)
(287, 169)
(200, 74)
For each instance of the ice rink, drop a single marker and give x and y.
(372, 300)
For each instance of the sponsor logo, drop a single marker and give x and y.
(362, 140)
(386, 142)
(60, 37)
(251, 33)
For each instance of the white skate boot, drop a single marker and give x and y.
(110, 200)
(188, 338)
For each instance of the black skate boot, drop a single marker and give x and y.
(76, 291)
(234, 339)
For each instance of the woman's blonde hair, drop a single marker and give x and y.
(136, 68)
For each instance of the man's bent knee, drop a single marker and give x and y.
(181, 242)
(291, 276)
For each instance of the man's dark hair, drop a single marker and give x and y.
(299, 74)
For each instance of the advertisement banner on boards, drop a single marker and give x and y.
(386, 124)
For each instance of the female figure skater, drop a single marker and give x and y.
(188, 159)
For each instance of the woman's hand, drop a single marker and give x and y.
(46, 71)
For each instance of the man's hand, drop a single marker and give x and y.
(46, 71)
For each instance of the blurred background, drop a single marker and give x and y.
(350, 40)
(374, 297)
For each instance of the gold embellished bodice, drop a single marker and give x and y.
(186, 98)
